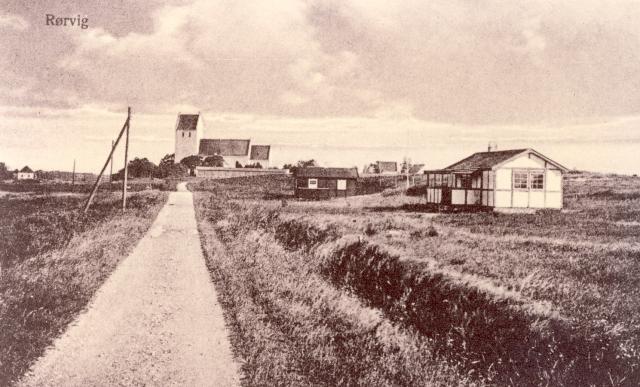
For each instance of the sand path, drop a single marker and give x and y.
(156, 320)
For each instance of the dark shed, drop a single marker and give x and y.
(319, 183)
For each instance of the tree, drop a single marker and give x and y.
(4, 172)
(238, 165)
(256, 165)
(300, 164)
(191, 162)
(213, 161)
(168, 167)
(138, 168)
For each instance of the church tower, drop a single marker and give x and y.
(188, 129)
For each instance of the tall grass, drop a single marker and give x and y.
(291, 327)
(53, 260)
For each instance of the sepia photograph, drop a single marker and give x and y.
(320, 193)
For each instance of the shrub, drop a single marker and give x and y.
(293, 235)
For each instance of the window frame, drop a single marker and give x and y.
(526, 180)
(344, 184)
(532, 180)
(312, 183)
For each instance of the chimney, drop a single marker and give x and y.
(492, 147)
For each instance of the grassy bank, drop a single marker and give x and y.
(516, 299)
(53, 260)
(292, 327)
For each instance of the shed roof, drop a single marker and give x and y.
(337, 173)
(26, 169)
(260, 152)
(387, 166)
(187, 121)
(224, 147)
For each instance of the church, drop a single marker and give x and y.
(234, 151)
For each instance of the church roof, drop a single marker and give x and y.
(187, 121)
(26, 169)
(260, 152)
(224, 147)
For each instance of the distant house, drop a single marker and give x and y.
(416, 169)
(26, 174)
(325, 183)
(518, 178)
(381, 168)
(387, 167)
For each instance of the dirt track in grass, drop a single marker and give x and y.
(156, 321)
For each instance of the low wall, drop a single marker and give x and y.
(225, 173)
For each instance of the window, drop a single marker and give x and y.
(466, 181)
(189, 134)
(182, 134)
(520, 180)
(438, 179)
(313, 183)
(537, 180)
(342, 185)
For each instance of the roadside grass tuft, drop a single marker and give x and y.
(53, 262)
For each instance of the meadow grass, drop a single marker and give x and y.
(53, 260)
(515, 299)
(290, 326)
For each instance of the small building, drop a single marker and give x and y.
(26, 173)
(319, 183)
(381, 168)
(517, 178)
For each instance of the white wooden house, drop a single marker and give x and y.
(26, 174)
(518, 178)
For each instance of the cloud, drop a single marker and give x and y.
(457, 61)
(15, 22)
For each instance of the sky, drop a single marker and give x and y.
(344, 82)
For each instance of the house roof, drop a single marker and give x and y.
(489, 160)
(260, 152)
(187, 121)
(484, 160)
(338, 173)
(387, 166)
(26, 169)
(415, 168)
(224, 147)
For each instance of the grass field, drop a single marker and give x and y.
(507, 299)
(53, 258)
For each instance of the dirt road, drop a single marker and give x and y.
(155, 321)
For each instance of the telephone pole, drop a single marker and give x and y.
(111, 167)
(73, 176)
(126, 163)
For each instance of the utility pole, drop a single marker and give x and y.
(126, 163)
(113, 148)
(73, 176)
(111, 168)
